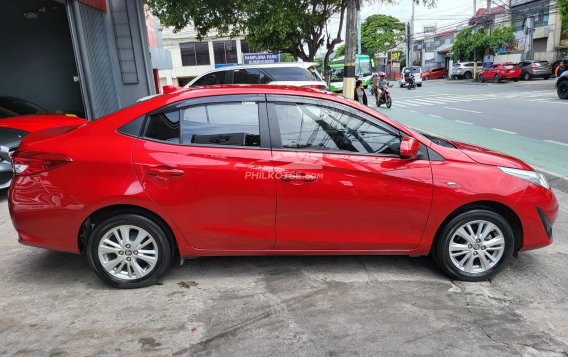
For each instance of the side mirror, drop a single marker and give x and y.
(409, 148)
(170, 89)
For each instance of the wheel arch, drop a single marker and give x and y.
(494, 206)
(97, 216)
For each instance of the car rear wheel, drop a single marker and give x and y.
(481, 78)
(467, 75)
(474, 245)
(496, 78)
(562, 90)
(129, 251)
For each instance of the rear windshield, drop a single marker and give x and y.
(542, 63)
(292, 74)
(413, 69)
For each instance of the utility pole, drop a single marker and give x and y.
(358, 32)
(474, 7)
(411, 36)
(350, 43)
(529, 31)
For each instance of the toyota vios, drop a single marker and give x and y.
(266, 170)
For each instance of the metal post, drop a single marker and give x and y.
(350, 43)
(358, 31)
(411, 36)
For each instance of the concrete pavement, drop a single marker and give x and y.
(53, 305)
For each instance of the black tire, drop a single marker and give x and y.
(389, 102)
(496, 78)
(163, 246)
(402, 86)
(467, 75)
(419, 84)
(425, 78)
(481, 78)
(562, 89)
(441, 250)
(515, 79)
(527, 76)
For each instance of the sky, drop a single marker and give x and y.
(445, 15)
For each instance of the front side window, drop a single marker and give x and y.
(234, 124)
(310, 127)
(289, 74)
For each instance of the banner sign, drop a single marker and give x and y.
(260, 58)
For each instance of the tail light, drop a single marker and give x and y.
(28, 163)
(533, 67)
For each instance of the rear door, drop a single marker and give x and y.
(207, 162)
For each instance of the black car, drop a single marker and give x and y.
(9, 141)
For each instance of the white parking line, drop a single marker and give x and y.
(504, 131)
(435, 116)
(463, 110)
(548, 101)
(463, 122)
(556, 142)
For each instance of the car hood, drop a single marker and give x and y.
(489, 157)
(32, 123)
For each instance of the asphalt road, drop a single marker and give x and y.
(51, 304)
(525, 119)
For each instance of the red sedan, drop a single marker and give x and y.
(267, 170)
(435, 73)
(500, 71)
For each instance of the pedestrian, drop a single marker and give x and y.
(360, 95)
(560, 69)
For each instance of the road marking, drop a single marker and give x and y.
(435, 116)
(414, 111)
(463, 110)
(463, 122)
(550, 172)
(556, 142)
(408, 103)
(422, 101)
(504, 131)
(547, 101)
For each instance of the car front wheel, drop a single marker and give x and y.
(474, 245)
(562, 90)
(129, 251)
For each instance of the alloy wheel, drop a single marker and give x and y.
(476, 246)
(128, 252)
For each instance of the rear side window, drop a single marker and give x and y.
(211, 78)
(246, 76)
(163, 127)
(232, 124)
(289, 74)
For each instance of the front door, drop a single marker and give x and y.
(209, 166)
(340, 182)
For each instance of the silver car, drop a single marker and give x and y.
(533, 69)
(464, 70)
(9, 141)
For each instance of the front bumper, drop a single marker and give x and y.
(538, 210)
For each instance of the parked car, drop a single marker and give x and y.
(498, 72)
(198, 173)
(21, 106)
(556, 64)
(13, 127)
(464, 70)
(533, 69)
(562, 86)
(301, 74)
(416, 72)
(435, 73)
(9, 141)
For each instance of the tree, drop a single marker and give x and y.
(286, 57)
(470, 45)
(340, 51)
(500, 37)
(381, 33)
(563, 9)
(297, 27)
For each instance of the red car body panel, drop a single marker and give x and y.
(360, 204)
(435, 73)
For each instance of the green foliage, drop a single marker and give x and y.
(472, 45)
(340, 51)
(286, 57)
(563, 10)
(380, 33)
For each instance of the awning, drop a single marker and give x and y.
(444, 49)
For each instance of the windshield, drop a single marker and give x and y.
(336, 74)
(363, 68)
(412, 69)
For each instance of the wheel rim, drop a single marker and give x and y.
(128, 252)
(496, 78)
(477, 246)
(563, 90)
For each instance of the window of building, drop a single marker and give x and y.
(194, 53)
(225, 51)
(232, 124)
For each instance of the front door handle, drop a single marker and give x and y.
(163, 171)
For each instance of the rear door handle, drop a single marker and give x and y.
(298, 176)
(163, 171)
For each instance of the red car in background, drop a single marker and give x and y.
(498, 72)
(435, 73)
(270, 170)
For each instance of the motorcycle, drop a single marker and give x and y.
(410, 84)
(384, 98)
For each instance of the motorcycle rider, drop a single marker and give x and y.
(380, 85)
(408, 77)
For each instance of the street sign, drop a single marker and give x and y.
(260, 58)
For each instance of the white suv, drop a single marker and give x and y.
(300, 74)
(464, 70)
(416, 72)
